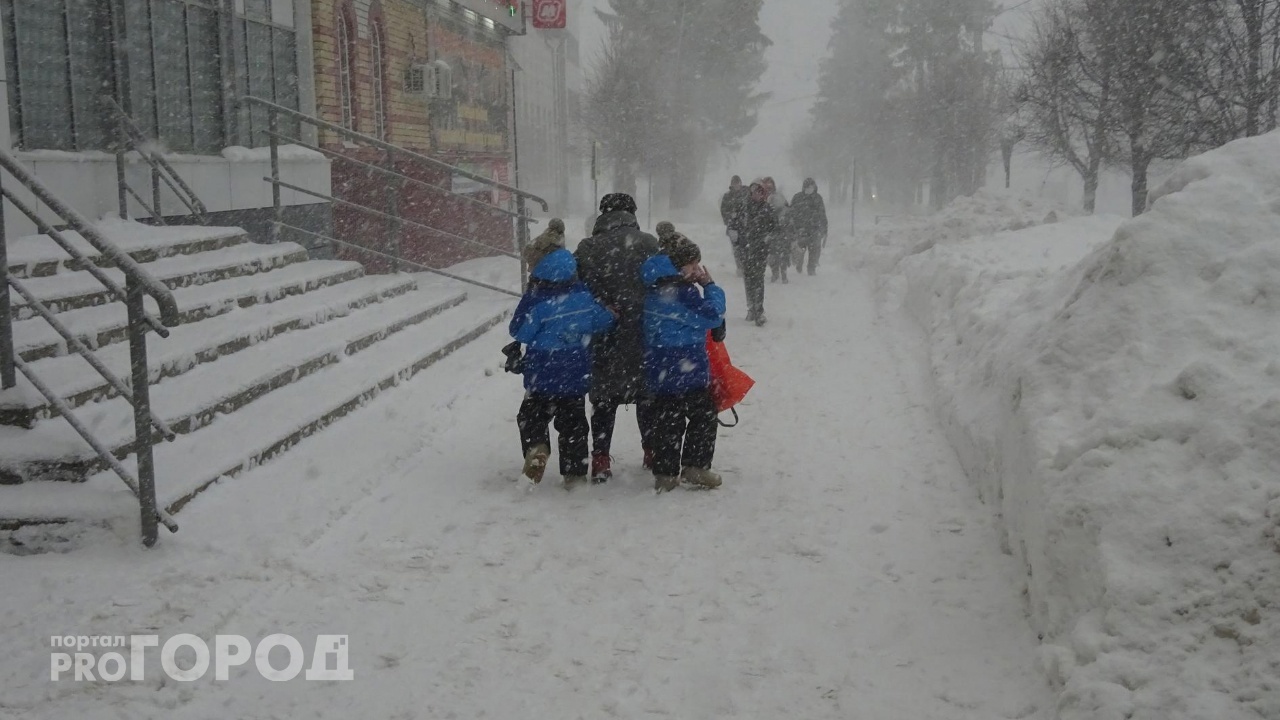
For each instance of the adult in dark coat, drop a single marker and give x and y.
(808, 223)
(609, 262)
(733, 211)
(760, 227)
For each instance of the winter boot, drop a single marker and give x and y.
(535, 462)
(701, 477)
(601, 468)
(665, 483)
(573, 481)
(648, 459)
(761, 320)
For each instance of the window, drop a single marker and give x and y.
(346, 66)
(174, 80)
(378, 56)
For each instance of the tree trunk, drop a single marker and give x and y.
(1091, 188)
(1141, 161)
(1253, 94)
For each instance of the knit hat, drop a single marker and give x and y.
(666, 230)
(556, 225)
(615, 202)
(685, 252)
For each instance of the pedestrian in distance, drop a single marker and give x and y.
(780, 241)
(733, 210)
(556, 320)
(682, 305)
(609, 263)
(760, 224)
(808, 224)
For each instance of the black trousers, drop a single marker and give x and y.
(684, 432)
(604, 416)
(812, 246)
(755, 261)
(570, 416)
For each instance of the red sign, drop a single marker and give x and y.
(549, 14)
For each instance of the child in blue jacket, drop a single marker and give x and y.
(682, 305)
(555, 321)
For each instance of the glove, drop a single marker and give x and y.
(733, 236)
(515, 359)
(719, 333)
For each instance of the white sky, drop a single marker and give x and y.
(800, 30)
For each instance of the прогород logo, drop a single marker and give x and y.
(92, 658)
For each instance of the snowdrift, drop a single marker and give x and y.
(984, 213)
(1122, 413)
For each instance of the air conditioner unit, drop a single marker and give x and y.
(443, 80)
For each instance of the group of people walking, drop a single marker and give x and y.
(623, 319)
(767, 232)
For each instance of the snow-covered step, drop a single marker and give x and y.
(72, 290)
(38, 255)
(101, 325)
(189, 346)
(230, 445)
(194, 399)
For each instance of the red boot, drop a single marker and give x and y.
(601, 468)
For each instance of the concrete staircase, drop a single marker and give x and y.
(272, 348)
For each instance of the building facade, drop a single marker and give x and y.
(552, 152)
(432, 77)
(177, 68)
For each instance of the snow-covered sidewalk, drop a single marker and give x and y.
(846, 568)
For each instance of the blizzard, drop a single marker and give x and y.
(846, 569)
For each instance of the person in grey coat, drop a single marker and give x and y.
(609, 263)
(808, 225)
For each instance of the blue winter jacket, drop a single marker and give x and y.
(676, 320)
(555, 321)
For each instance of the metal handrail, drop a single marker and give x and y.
(387, 216)
(395, 149)
(132, 270)
(79, 348)
(161, 169)
(57, 236)
(138, 284)
(419, 266)
(392, 173)
(394, 154)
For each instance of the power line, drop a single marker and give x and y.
(1014, 7)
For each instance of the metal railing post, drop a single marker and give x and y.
(522, 240)
(142, 413)
(394, 189)
(122, 185)
(8, 373)
(155, 196)
(273, 127)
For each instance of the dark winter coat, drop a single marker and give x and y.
(609, 263)
(760, 223)
(733, 208)
(556, 319)
(807, 218)
(677, 317)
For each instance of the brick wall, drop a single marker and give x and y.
(409, 38)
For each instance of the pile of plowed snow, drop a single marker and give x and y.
(1123, 414)
(984, 213)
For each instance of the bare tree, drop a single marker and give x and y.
(1068, 95)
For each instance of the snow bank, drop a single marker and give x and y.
(237, 153)
(1123, 414)
(986, 212)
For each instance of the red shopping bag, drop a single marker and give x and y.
(729, 385)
